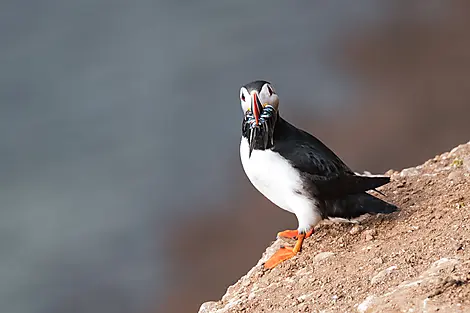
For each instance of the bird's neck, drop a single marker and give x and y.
(281, 128)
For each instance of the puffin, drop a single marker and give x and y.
(297, 172)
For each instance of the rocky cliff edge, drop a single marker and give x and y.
(415, 260)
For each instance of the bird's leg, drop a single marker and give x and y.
(285, 253)
(293, 234)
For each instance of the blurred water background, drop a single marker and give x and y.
(120, 124)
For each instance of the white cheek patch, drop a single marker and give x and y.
(275, 101)
(263, 101)
(245, 104)
(265, 97)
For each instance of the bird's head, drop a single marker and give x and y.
(260, 105)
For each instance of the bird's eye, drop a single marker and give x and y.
(242, 97)
(270, 90)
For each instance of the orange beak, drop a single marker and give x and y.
(256, 108)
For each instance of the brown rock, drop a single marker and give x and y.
(414, 296)
(411, 266)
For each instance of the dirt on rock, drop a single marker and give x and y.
(414, 260)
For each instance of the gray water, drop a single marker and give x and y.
(116, 115)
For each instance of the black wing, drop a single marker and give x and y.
(340, 185)
(328, 175)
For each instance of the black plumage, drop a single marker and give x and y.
(297, 172)
(326, 178)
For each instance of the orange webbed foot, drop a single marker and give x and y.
(280, 256)
(285, 253)
(293, 234)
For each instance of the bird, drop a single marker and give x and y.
(297, 172)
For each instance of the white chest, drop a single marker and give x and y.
(272, 175)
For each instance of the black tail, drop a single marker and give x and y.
(356, 205)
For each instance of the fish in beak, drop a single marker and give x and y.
(260, 124)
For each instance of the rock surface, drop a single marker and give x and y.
(415, 260)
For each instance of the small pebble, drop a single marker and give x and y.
(409, 172)
(322, 256)
(382, 274)
(454, 175)
(378, 260)
(356, 229)
(369, 234)
(466, 163)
